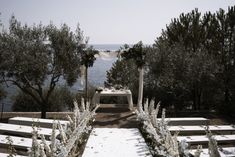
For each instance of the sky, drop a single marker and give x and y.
(107, 21)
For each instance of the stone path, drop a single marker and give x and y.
(116, 142)
(115, 134)
(115, 116)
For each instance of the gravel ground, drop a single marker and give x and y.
(118, 116)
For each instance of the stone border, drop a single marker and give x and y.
(52, 115)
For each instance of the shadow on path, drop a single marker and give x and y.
(115, 116)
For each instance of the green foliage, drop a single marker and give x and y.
(65, 49)
(191, 63)
(225, 53)
(135, 53)
(25, 103)
(35, 56)
(2, 93)
(60, 100)
(193, 60)
(88, 57)
(125, 73)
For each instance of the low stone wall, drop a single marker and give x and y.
(50, 115)
(201, 113)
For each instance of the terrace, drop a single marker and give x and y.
(117, 132)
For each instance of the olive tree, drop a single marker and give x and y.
(35, 58)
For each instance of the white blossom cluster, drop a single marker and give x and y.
(69, 136)
(163, 143)
(212, 145)
(11, 150)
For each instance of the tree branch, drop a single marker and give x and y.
(24, 89)
(39, 90)
(54, 80)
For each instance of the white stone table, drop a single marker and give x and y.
(108, 92)
(25, 131)
(116, 142)
(44, 123)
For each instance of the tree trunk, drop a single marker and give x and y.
(201, 102)
(226, 96)
(194, 99)
(43, 110)
(86, 88)
(226, 86)
(141, 86)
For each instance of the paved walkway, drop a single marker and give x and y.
(115, 116)
(116, 142)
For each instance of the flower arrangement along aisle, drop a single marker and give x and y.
(70, 137)
(157, 135)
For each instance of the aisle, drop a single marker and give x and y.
(116, 142)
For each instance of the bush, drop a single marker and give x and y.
(227, 111)
(2, 93)
(23, 102)
(124, 73)
(60, 100)
(91, 92)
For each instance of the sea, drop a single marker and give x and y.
(96, 74)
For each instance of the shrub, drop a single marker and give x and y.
(2, 93)
(91, 92)
(60, 100)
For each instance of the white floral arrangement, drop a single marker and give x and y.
(69, 137)
(212, 145)
(11, 150)
(162, 142)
